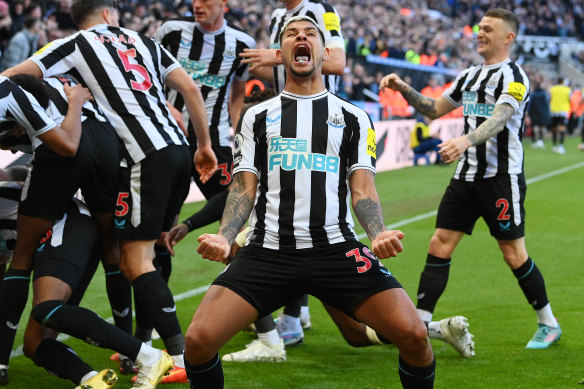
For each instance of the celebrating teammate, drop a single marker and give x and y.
(489, 181)
(312, 140)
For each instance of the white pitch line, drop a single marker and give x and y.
(202, 289)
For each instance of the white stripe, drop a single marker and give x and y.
(515, 198)
(202, 289)
(136, 190)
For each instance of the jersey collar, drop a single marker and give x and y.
(295, 96)
(216, 32)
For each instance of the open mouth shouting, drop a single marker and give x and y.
(302, 53)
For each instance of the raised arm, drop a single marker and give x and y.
(238, 207)
(367, 208)
(205, 160)
(236, 98)
(453, 149)
(433, 108)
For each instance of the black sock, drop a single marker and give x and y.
(119, 293)
(554, 137)
(265, 324)
(415, 377)
(532, 284)
(156, 300)
(209, 375)
(432, 282)
(86, 325)
(58, 359)
(162, 261)
(562, 135)
(210, 213)
(293, 307)
(13, 297)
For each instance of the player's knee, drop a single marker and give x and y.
(199, 344)
(43, 311)
(440, 246)
(415, 340)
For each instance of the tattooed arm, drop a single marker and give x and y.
(453, 148)
(427, 106)
(216, 247)
(367, 207)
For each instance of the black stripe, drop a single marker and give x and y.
(7, 224)
(318, 179)
(348, 154)
(503, 136)
(130, 120)
(466, 165)
(215, 68)
(277, 40)
(58, 99)
(288, 123)
(171, 41)
(260, 162)
(10, 193)
(61, 52)
(457, 93)
(481, 149)
(25, 105)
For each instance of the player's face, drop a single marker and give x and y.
(208, 12)
(302, 49)
(491, 36)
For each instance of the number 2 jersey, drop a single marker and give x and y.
(125, 72)
(303, 149)
(478, 89)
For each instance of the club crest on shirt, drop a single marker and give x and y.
(336, 120)
(493, 82)
(229, 53)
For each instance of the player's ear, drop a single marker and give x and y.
(279, 57)
(326, 54)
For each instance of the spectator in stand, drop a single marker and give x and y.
(434, 88)
(539, 113)
(393, 104)
(23, 44)
(5, 25)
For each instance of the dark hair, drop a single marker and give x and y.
(257, 96)
(30, 22)
(506, 16)
(33, 85)
(81, 9)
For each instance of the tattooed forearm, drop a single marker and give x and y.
(423, 104)
(237, 208)
(369, 215)
(491, 127)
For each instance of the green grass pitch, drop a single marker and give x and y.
(481, 287)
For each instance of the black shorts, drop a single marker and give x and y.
(151, 193)
(69, 252)
(498, 200)
(53, 179)
(222, 178)
(559, 119)
(341, 275)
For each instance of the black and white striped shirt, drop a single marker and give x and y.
(303, 148)
(125, 72)
(330, 23)
(59, 103)
(212, 59)
(478, 89)
(19, 106)
(9, 199)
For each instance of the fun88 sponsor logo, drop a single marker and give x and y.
(472, 108)
(292, 154)
(197, 71)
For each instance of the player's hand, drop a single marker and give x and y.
(177, 115)
(175, 235)
(77, 94)
(213, 247)
(205, 163)
(452, 149)
(393, 81)
(387, 244)
(260, 57)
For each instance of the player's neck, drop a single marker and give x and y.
(496, 58)
(305, 86)
(213, 26)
